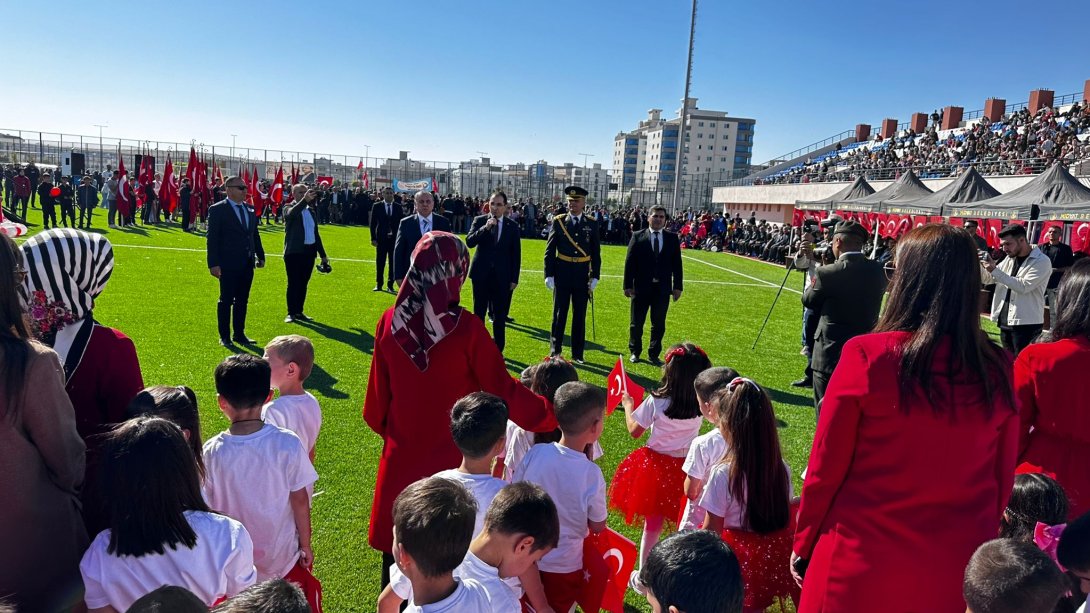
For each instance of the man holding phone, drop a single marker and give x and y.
(1018, 306)
(496, 263)
(302, 244)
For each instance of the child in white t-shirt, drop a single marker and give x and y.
(542, 379)
(706, 449)
(258, 473)
(649, 483)
(291, 359)
(148, 470)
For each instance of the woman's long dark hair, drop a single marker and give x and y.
(934, 295)
(149, 480)
(684, 362)
(178, 405)
(755, 462)
(14, 329)
(1071, 317)
(1035, 498)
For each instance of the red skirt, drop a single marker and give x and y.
(647, 484)
(765, 560)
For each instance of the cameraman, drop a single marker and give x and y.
(846, 297)
(302, 243)
(1018, 306)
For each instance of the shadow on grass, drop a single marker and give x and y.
(530, 331)
(356, 338)
(324, 383)
(783, 397)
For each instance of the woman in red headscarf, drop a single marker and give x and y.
(430, 352)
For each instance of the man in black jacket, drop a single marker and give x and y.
(652, 274)
(573, 265)
(846, 296)
(86, 198)
(412, 228)
(385, 217)
(496, 263)
(302, 244)
(234, 249)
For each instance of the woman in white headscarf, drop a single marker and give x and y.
(66, 271)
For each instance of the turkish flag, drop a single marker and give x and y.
(1080, 237)
(904, 224)
(434, 185)
(124, 191)
(327, 180)
(991, 234)
(937, 219)
(168, 191)
(797, 215)
(1046, 226)
(360, 165)
(277, 192)
(257, 197)
(620, 382)
(366, 181)
(608, 560)
(919, 220)
(294, 174)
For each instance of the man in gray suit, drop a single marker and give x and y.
(412, 228)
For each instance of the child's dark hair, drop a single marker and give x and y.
(1035, 498)
(711, 380)
(433, 522)
(178, 405)
(694, 571)
(244, 381)
(1074, 549)
(168, 599)
(544, 379)
(684, 362)
(149, 480)
(1009, 576)
(755, 461)
(477, 422)
(273, 595)
(525, 509)
(578, 405)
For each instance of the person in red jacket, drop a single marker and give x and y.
(429, 352)
(1052, 388)
(914, 455)
(23, 189)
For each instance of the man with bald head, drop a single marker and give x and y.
(412, 228)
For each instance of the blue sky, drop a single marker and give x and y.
(521, 81)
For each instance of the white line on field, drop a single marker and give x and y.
(741, 274)
(762, 282)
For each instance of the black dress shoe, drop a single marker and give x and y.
(804, 382)
(301, 317)
(243, 340)
(290, 319)
(226, 343)
(510, 320)
(390, 288)
(655, 361)
(633, 358)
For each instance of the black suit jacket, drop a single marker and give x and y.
(384, 227)
(408, 234)
(230, 245)
(295, 234)
(642, 266)
(503, 258)
(847, 297)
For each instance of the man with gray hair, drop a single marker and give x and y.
(412, 228)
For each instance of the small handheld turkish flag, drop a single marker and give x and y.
(608, 560)
(619, 382)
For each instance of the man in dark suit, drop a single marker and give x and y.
(385, 217)
(412, 228)
(573, 264)
(234, 248)
(846, 296)
(302, 244)
(496, 263)
(652, 274)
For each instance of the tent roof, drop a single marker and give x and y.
(907, 187)
(858, 189)
(969, 187)
(1054, 191)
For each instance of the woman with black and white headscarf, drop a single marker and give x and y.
(66, 271)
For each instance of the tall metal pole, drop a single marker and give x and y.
(684, 108)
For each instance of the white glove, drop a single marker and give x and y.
(593, 284)
(549, 283)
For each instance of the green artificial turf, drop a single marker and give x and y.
(162, 296)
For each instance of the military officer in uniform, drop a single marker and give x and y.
(573, 263)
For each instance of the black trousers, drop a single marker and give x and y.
(49, 213)
(15, 203)
(234, 296)
(85, 215)
(384, 259)
(299, 266)
(658, 302)
(186, 216)
(68, 213)
(495, 293)
(821, 383)
(1017, 338)
(571, 291)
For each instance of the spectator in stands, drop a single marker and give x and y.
(1061, 257)
(1018, 306)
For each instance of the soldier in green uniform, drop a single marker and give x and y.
(573, 263)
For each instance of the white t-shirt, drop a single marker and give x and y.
(220, 564)
(483, 488)
(668, 436)
(520, 441)
(577, 487)
(469, 596)
(299, 413)
(717, 500)
(501, 593)
(704, 452)
(249, 478)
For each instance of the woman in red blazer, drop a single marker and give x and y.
(1053, 390)
(430, 352)
(914, 455)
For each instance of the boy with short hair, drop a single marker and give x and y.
(707, 449)
(575, 484)
(258, 473)
(1009, 576)
(521, 526)
(272, 595)
(1073, 553)
(291, 359)
(433, 525)
(692, 572)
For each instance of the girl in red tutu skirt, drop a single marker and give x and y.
(649, 483)
(748, 496)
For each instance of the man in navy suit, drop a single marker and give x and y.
(385, 217)
(496, 263)
(412, 228)
(234, 249)
(652, 275)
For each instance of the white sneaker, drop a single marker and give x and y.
(634, 583)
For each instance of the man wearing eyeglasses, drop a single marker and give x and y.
(234, 249)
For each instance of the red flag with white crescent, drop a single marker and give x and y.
(619, 382)
(166, 193)
(992, 233)
(277, 192)
(434, 185)
(1046, 226)
(797, 215)
(366, 181)
(608, 561)
(1080, 237)
(919, 220)
(124, 191)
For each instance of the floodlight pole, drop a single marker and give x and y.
(684, 108)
